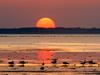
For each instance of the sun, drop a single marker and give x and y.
(45, 23)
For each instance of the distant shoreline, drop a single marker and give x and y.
(50, 31)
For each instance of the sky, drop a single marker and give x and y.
(66, 13)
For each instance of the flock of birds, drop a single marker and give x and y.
(54, 62)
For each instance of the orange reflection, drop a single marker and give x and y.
(45, 56)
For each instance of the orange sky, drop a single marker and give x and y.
(67, 13)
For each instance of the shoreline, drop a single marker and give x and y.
(51, 68)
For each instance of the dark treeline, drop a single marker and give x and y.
(50, 31)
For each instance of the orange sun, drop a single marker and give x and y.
(45, 23)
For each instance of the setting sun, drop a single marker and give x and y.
(45, 23)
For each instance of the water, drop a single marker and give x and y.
(69, 43)
(42, 48)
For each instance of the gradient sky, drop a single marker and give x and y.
(66, 13)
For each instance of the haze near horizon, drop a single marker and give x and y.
(66, 13)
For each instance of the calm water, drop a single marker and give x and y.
(71, 47)
(42, 48)
(69, 43)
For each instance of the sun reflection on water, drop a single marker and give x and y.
(44, 56)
